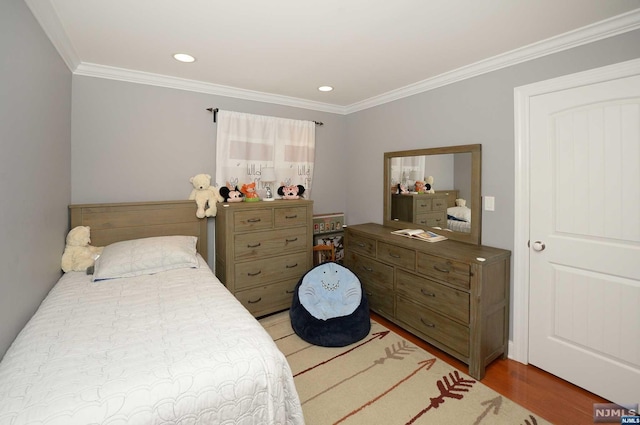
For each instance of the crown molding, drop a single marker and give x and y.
(47, 17)
(598, 31)
(140, 77)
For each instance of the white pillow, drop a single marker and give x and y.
(462, 213)
(146, 256)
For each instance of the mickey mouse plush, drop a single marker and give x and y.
(291, 191)
(231, 195)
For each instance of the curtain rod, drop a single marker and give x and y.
(215, 116)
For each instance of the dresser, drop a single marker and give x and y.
(427, 209)
(262, 250)
(451, 294)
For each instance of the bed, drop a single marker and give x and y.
(458, 218)
(173, 346)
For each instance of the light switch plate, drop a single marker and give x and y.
(489, 203)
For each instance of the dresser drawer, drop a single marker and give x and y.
(434, 325)
(273, 242)
(254, 273)
(448, 301)
(381, 299)
(399, 256)
(369, 270)
(287, 217)
(264, 299)
(245, 221)
(452, 272)
(423, 205)
(432, 219)
(362, 245)
(439, 204)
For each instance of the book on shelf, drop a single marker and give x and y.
(423, 235)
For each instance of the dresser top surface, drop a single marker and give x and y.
(278, 203)
(447, 248)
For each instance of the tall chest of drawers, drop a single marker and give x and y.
(426, 209)
(451, 294)
(262, 250)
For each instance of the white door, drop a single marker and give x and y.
(584, 282)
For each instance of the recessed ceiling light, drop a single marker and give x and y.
(325, 88)
(183, 57)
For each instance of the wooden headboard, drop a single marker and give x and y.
(133, 220)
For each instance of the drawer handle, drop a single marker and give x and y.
(291, 216)
(441, 269)
(369, 269)
(361, 245)
(290, 291)
(254, 246)
(256, 301)
(427, 324)
(392, 255)
(291, 240)
(254, 274)
(254, 220)
(428, 294)
(291, 267)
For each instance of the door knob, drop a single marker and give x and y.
(538, 246)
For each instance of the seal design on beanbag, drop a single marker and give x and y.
(329, 291)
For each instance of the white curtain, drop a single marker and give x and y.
(248, 143)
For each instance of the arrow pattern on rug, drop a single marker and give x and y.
(422, 365)
(449, 388)
(494, 403)
(395, 351)
(377, 335)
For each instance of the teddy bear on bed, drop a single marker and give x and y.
(205, 195)
(78, 253)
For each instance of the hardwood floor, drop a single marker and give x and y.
(546, 395)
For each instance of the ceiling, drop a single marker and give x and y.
(370, 51)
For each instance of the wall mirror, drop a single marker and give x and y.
(454, 209)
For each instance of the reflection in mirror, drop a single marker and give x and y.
(435, 188)
(414, 175)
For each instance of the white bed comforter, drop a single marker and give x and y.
(170, 348)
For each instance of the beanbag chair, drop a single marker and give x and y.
(329, 307)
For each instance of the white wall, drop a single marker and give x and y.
(35, 166)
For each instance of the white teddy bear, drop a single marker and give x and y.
(78, 254)
(205, 195)
(429, 185)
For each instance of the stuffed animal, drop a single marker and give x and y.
(249, 191)
(291, 191)
(420, 186)
(428, 185)
(461, 202)
(400, 188)
(205, 196)
(78, 254)
(231, 194)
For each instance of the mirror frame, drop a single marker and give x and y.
(476, 200)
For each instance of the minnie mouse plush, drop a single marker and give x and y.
(231, 195)
(291, 191)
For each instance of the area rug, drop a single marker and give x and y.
(385, 379)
